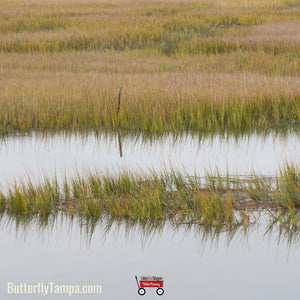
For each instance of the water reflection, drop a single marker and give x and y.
(149, 138)
(105, 227)
(197, 262)
(120, 144)
(193, 153)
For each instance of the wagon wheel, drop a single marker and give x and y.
(141, 291)
(160, 291)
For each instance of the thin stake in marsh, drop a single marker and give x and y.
(118, 110)
(119, 101)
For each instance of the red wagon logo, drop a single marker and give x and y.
(150, 282)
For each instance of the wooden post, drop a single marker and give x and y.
(119, 101)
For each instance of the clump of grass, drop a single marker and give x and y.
(158, 197)
(32, 200)
(288, 186)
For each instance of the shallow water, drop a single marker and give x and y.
(36, 154)
(196, 263)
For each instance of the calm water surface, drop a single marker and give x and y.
(36, 154)
(195, 263)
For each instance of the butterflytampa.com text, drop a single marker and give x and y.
(49, 288)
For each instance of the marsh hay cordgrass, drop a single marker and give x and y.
(203, 66)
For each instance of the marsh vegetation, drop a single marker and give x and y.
(201, 66)
(208, 66)
(203, 148)
(214, 200)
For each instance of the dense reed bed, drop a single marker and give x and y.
(199, 65)
(212, 201)
(149, 102)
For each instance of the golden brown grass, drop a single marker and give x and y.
(199, 65)
(167, 26)
(150, 101)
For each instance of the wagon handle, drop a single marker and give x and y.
(137, 282)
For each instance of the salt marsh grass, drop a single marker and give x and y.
(156, 197)
(200, 65)
(149, 102)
